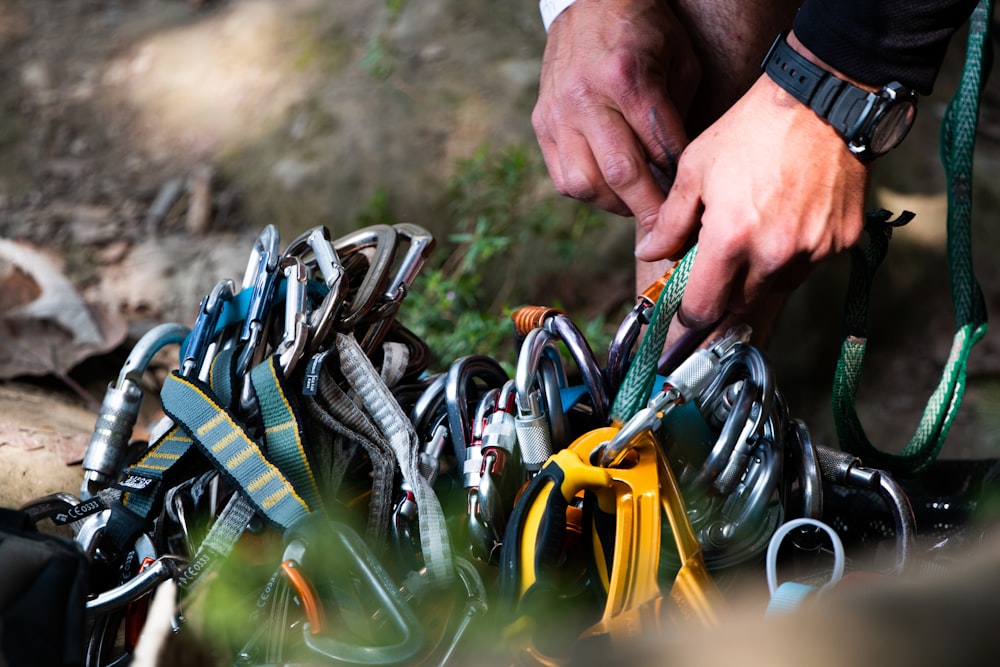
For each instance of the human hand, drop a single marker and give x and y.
(617, 78)
(768, 191)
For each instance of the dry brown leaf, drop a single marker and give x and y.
(45, 325)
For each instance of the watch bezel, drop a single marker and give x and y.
(879, 104)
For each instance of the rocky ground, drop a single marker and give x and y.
(143, 143)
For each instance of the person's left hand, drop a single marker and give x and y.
(768, 191)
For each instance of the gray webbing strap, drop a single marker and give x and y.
(227, 530)
(335, 410)
(379, 402)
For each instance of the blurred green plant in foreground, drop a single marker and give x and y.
(462, 299)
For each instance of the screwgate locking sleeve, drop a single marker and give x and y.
(120, 410)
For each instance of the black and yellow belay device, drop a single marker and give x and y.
(637, 493)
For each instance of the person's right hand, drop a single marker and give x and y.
(617, 78)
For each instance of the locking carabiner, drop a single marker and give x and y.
(540, 420)
(467, 376)
(561, 326)
(120, 410)
(845, 469)
(692, 377)
(500, 477)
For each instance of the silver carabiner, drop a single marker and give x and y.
(261, 278)
(120, 410)
(540, 421)
(463, 375)
(296, 326)
(421, 243)
(752, 406)
(163, 568)
(846, 469)
(741, 527)
(561, 326)
(430, 405)
(331, 270)
(376, 245)
(687, 383)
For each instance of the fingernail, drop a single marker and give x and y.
(643, 245)
(695, 323)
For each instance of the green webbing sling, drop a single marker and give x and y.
(958, 135)
(282, 431)
(637, 386)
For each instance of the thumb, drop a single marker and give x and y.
(675, 226)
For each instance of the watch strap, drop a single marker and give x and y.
(793, 72)
(839, 102)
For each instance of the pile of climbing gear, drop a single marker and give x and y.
(374, 511)
(362, 508)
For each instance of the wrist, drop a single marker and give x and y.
(871, 121)
(551, 9)
(803, 50)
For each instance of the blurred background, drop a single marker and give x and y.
(145, 143)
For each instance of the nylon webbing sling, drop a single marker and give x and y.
(282, 433)
(170, 454)
(223, 440)
(335, 410)
(958, 135)
(143, 482)
(637, 387)
(385, 412)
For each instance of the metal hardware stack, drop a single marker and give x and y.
(398, 514)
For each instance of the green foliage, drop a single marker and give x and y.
(376, 211)
(380, 57)
(395, 7)
(377, 60)
(463, 298)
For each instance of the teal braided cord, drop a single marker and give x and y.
(957, 143)
(958, 136)
(637, 386)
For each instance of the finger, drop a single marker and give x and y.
(583, 177)
(714, 274)
(676, 224)
(571, 164)
(664, 138)
(624, 165)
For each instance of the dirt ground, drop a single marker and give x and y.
(143, 143)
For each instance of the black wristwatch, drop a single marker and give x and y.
(872, 124)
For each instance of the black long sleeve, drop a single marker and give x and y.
(878, 41)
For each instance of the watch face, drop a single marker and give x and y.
(891, 126)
